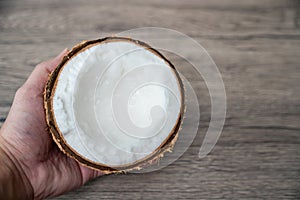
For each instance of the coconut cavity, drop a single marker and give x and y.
(115, 103)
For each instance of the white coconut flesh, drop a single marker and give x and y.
(116, 103)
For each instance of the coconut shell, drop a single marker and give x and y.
(57, 136)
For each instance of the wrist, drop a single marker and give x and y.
(14, 183)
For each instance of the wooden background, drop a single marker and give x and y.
(256, 45)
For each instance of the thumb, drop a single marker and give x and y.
(39, 75)
(52, 63)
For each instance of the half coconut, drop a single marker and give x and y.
(114, 104)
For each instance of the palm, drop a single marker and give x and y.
(49, 170)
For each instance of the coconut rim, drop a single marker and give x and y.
(50, 87)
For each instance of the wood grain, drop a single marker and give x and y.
(256, 45)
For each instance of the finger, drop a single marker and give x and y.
(89, 174)
(39, 76)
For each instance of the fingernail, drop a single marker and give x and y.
(62, 53)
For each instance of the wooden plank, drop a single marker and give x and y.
(256, 45)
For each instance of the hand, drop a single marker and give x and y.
(44, 171)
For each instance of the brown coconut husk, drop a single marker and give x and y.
(167, 144)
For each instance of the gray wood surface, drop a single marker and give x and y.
(256, 45)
